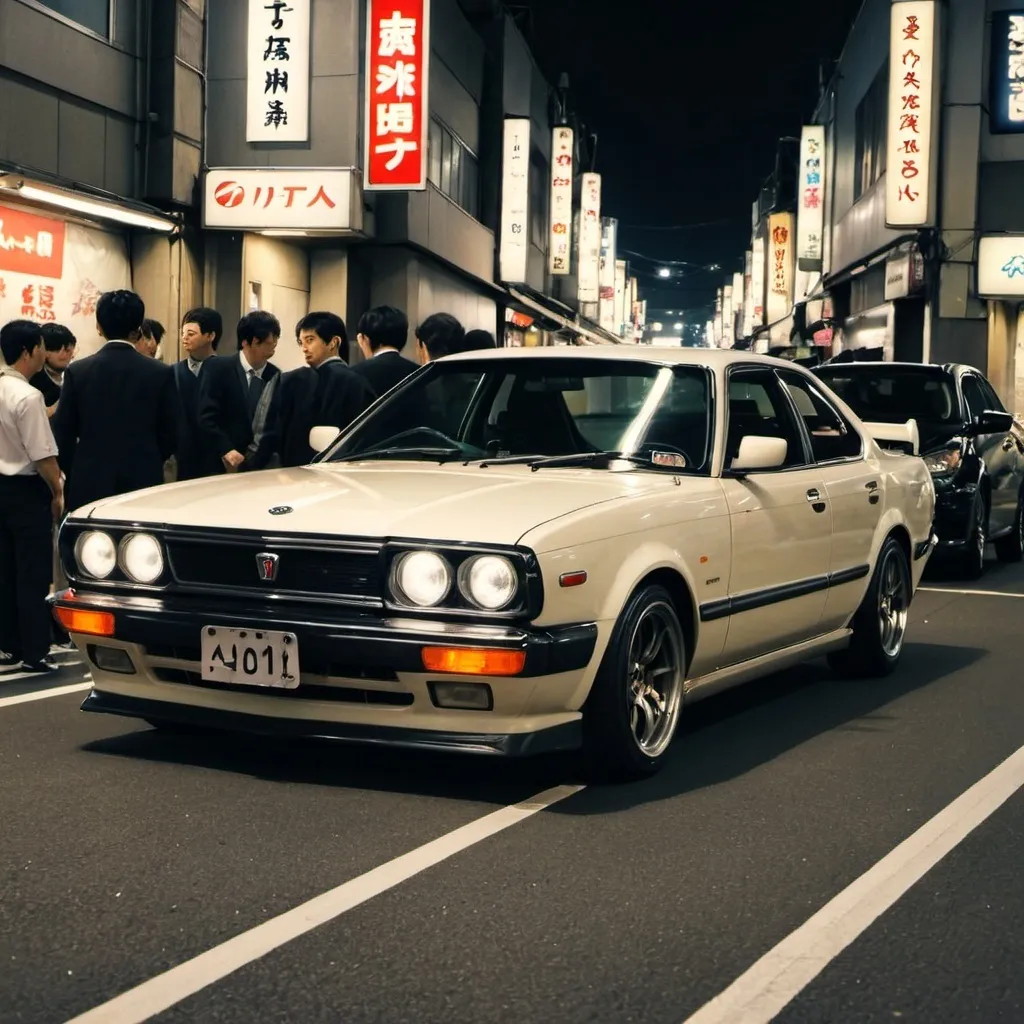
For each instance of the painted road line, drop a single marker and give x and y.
(165, 990)
(761, 993)
(971, 593)
(53, 691)
(60, 671)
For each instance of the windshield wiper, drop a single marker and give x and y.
(536, 462)
(441, 454)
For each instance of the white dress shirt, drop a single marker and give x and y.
(25, 434)
(249, 371)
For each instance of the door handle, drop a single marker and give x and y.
(813, 494)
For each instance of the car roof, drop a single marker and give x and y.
(670, 356)
(955, 368)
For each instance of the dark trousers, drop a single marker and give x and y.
(26, 566)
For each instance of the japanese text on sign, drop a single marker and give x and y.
(811, 204)
(559, 245)
(278, 71)
(780, 266)
(1015, 67)
(397, 47)
(514, 240)
(912, 34)
(30, 244)
(589, 258)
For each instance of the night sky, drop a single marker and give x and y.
(688, 99)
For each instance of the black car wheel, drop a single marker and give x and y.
(636, 702)
(972, 559)
(880, 625)
(1011, 547)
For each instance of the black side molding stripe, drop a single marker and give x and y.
(754, 599)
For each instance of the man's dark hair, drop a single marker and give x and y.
(120, 314)
(57, 337)
(258, 326)
(17, 337)
(209, 321)
(153, 329)
(324, 325)
(441, 335)
(384, 327)
(476, 341)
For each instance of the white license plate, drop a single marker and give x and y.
(250, 657)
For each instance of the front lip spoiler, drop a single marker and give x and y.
(557, 739)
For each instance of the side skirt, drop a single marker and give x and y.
(777, 661)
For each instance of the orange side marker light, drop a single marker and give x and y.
(85, 620)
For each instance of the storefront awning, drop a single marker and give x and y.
(18, 185)
(585, 335)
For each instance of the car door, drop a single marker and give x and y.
(853, 485)
(1012, 447)
(780, 521)
(999, 452)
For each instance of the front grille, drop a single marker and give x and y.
(235, 566)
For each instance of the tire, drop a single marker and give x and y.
(880, 624)
(970, 563)
(634, 707)
(1011, 547)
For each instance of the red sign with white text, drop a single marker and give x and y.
(30, 244)
(397, 108)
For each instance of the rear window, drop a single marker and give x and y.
(882, 395)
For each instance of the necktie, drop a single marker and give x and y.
(255, 390)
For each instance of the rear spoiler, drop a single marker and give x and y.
(901, 437)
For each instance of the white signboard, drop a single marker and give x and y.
(1001, 267)
(780, 267)
(606, 273)
(913, 126)
(620, 297)
(810, 221)
(560, 242)
(589, 259)
(748, 294)
(738, 304)
(515, 201)
(252, 199)
(277, 72)
(757, 283)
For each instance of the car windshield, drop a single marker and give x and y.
(884, 394)
(547, 412)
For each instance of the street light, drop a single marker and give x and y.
(677, 327)
(664, 272)
(655, 327)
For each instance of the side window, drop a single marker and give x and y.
(757, 406)
(991, 398)
(831, 436)
(974, 396)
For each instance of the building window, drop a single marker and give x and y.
(91, 14)
(871, 121)
(452, 168)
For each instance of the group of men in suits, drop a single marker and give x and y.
(118, 416)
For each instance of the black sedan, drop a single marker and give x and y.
(972, 445)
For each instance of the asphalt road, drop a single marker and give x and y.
(125, 854)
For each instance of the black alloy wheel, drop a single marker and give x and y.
(971, 561)
(1011, 547)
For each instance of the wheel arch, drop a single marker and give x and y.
(682, 600)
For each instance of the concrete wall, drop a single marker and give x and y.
(68, 99)
(282, 271)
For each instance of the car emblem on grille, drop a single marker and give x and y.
(266, 564)
(281, 510)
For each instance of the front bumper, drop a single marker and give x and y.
(362, 677)
(954, 511)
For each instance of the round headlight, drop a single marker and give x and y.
(489, 581)
(142, 558)
(422, 578)
(96, 554)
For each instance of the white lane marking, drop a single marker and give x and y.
(972, 593)
(763, 991)
(165, 990)
(53, 691)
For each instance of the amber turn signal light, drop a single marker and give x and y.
(473, 661)
(85, 620)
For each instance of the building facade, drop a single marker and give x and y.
(128, 157)
(887, 286)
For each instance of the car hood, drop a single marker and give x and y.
(495, 505)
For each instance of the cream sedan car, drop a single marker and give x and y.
(513, 552)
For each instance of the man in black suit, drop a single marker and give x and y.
(201, 331)
(383, 332)
(116, 421)
(323, 393)
(236, 393)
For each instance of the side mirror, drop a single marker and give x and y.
(991, 422)
(321, 438)
(760, 453)
(901, 437)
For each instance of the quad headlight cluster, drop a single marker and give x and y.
(138, 555)
(427, 579)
